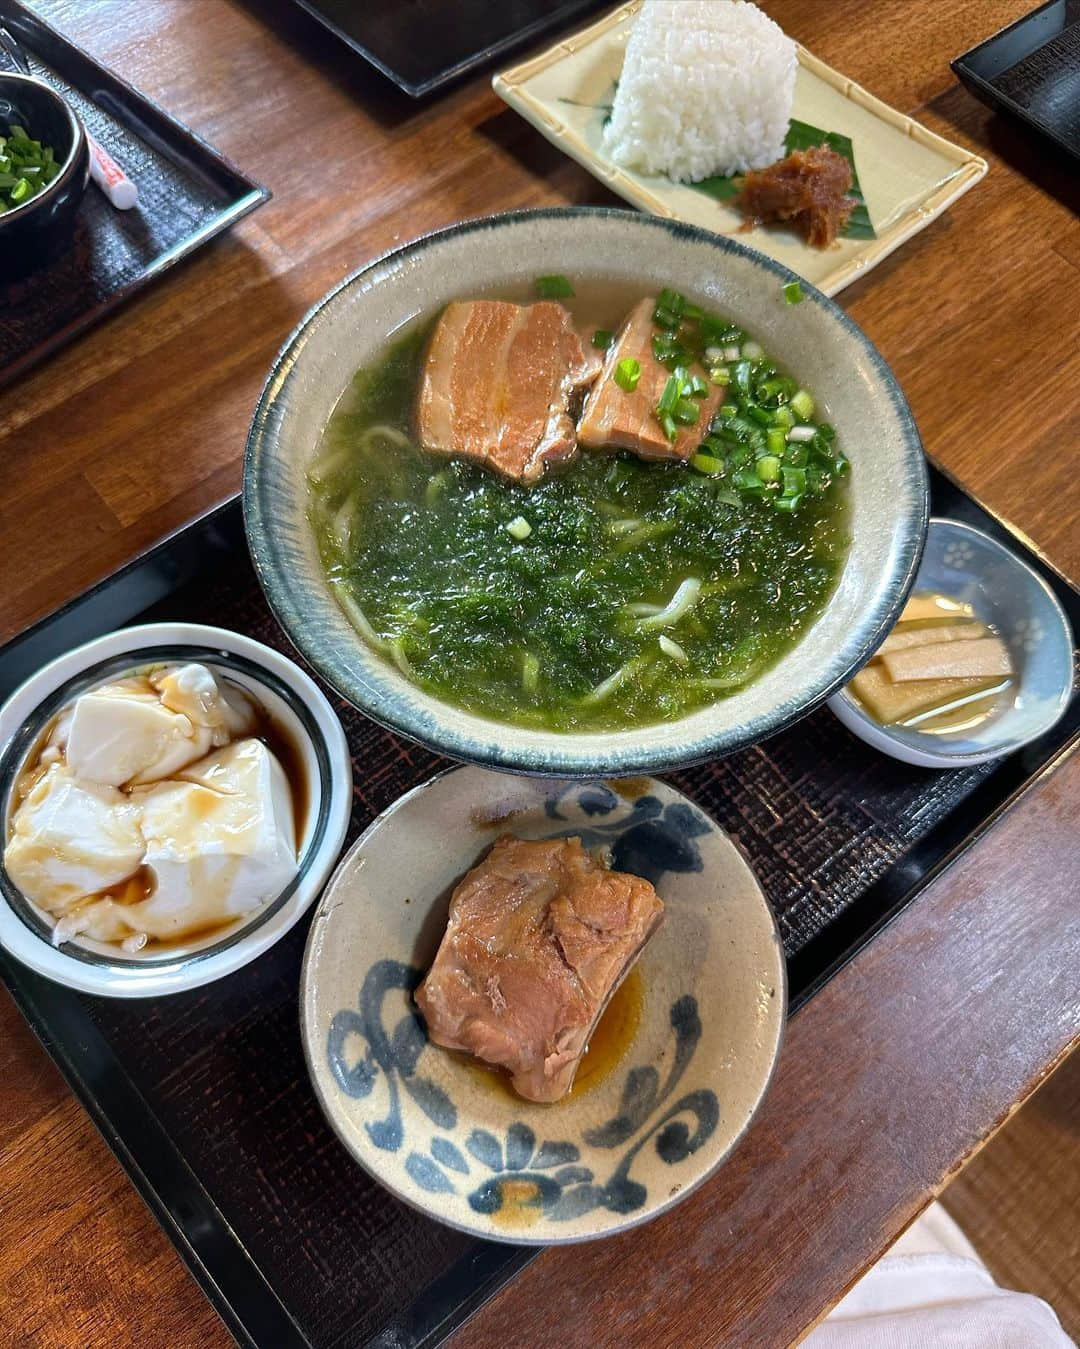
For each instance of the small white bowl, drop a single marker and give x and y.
(1006, 594)
(292, 699)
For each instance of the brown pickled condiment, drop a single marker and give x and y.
(807, 190)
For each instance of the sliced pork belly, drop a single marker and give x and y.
(616, 419)
(539, 937)
(497, 385)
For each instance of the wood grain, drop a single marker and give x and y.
(909, 1059)
(1018, 1198)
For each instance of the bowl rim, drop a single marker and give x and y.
(22, 716)
(560, 756)
(78, 140)
(391, 1185)
(934, 754)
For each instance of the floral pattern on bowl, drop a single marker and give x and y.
(448, 1138)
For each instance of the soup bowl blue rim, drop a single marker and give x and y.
(556, 754)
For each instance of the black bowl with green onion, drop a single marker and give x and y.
(44, 169)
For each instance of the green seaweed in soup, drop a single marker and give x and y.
(615, 593)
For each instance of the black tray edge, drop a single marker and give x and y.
(162, 1177)
(29, 27)
(987, 93)
(421, 88)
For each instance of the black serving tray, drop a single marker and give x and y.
(188, 193)
(1031, 70)
(422, 45)
(204, 1096)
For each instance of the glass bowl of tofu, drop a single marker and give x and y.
(979, 663)
(173, 798)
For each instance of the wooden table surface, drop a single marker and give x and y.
(915, 1053)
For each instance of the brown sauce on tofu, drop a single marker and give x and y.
(807, 190)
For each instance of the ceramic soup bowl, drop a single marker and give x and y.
(350, 328)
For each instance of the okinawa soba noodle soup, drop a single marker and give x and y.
(617, 590)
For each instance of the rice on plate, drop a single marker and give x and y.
(706, 88)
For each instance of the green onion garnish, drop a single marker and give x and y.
(802, 404)
(603, 338)
(553, 287)
(768, 468)
(696, 387)
(26, 167)
(670, 396)
(667, 424)
(519, 528)
(686, 412)
(776, 440)
(707, 464)
(627, 373)
(793, 292)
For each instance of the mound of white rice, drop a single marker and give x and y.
(706, 88)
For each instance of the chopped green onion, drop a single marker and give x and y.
(696, 386)
(672, 300)
(686, 412)
(20, 191)
(802, 404)
(801, 434)
(627, 373)
(784, 417)
(731, 352)
(728, 411)
(776, 440)
(692, 313)
(721, 375)
(794, 481)
(665, 318)
(768, 468)
(707, 464)
(786, 503)
(603, 338)
(519, 528)
(746, 480)
(741, 374)
(670, 396)
(553, 287)
(667, 424)
(752, 351)
(793, 292)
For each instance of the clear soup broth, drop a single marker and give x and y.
(572, 627)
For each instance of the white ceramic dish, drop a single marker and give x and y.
(1006, 594)
(437, 1131)
(908, 174)
(292, 699)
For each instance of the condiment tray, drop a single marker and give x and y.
(188, 193)
(205, 1096)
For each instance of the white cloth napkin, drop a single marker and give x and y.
(931, 1291)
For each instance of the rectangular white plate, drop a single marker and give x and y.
(908, 175)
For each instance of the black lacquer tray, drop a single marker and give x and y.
(422, 45)
(1031, 71)
(188, 193)
(204, 1096)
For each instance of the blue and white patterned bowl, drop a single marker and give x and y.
(816, 339)
(444, 1135)
(1005, 593)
